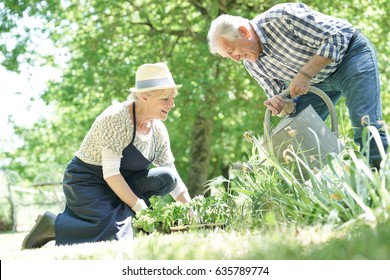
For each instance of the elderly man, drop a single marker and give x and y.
(293, 44)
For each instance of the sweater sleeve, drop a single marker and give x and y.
(110, 163)
(164, 152)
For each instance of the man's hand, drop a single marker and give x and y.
(275, 104)
(301, 82)
(279, 105)
(299, 85)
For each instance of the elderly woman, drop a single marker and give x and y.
(110, 179)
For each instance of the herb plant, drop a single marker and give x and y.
(162, 215)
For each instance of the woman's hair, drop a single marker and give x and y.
(134, 96)
(224, 26)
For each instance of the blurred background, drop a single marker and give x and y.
(64, 61)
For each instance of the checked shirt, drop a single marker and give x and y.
(290, 35)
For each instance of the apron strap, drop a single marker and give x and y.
(134, 123)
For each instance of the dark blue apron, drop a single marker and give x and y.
(93, 212)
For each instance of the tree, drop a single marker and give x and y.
(106, 41)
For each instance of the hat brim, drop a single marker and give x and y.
(154, 88)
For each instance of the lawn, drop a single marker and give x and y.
(310, 243)
(339, 217)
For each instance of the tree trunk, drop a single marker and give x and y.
(200, 155)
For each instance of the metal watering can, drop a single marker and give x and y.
(305, 136)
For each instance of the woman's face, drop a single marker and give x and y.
(161, 104)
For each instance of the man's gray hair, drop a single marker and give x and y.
(224, 26)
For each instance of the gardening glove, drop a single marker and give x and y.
(193, 215)
(139, 206)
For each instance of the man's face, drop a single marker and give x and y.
(239, 49)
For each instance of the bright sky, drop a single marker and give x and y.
(20, 92)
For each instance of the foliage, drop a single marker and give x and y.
(163, 215)
(345, 191)
(105, 41)
(104, 45)
(267, 208)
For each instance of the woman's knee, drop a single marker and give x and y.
(168, 177)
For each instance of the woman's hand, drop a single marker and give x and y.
(139, 206)
(183, 197)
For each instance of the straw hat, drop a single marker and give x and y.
(152, 77)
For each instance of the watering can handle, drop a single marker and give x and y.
(320, 93)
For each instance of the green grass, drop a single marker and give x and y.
(290, 243)
(341, 212)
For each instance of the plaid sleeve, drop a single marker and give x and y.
(333, 47)
(328, 34)
(270, 86)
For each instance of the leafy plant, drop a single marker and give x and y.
(163, 215)
(344, 192)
